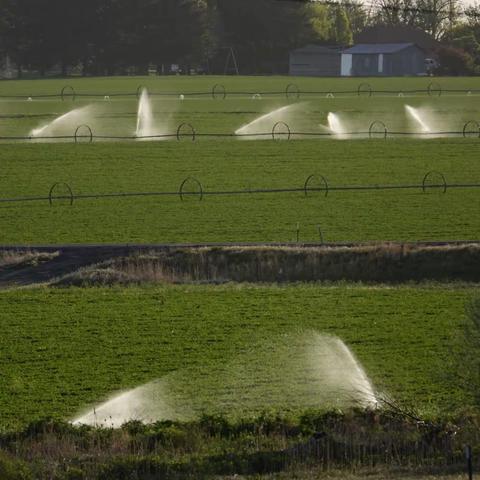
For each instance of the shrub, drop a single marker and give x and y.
(469, 361)
(173, 436)
(216, 425)
(454, 61)
(12, 469)
(74, 473)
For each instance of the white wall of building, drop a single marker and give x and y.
(346, 66)
(380, 63)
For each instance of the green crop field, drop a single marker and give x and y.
(191, 84)
(31, 170)
(66, 349)
(31, 167)
(114, 104)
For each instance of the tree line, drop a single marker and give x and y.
(105, 37)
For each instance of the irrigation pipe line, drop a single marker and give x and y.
(71, 96)
(203, 193)
(287, 134)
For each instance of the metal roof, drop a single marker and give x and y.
(396, 34)
(376, 48)
(318, 49)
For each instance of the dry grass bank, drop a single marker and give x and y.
(23, 258)
(387, 263)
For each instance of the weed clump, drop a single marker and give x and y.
(216, 446)
(13, 469)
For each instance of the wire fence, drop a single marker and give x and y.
(192, 187)
(219, 92)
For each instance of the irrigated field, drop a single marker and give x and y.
(305, 116)
(29, 105)
(30, 170)
(63, 350)
(232, 164)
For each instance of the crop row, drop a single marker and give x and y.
(146, 167)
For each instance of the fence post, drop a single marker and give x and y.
(468, 455)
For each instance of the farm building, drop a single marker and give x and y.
(378, 50)
(387, 59)
(315, 61)
(369, 59)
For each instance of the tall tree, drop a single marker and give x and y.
(436, 16)
(320, 23)
(211, 37)
(472, 14)
(113, 36)
(395, 12)
(357, 14)
(263, 32)
(432, 16)
(341, 33)
(15, 38)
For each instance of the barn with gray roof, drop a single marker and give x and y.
(383, 59)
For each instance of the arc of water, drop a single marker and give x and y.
(322, 371)
(71, 119)
(416, 116)
(256, 127)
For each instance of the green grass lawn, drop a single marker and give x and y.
(62, 350)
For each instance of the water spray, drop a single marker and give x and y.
(65, 124)
(415, 115)
(293, 370)
(265, 123)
